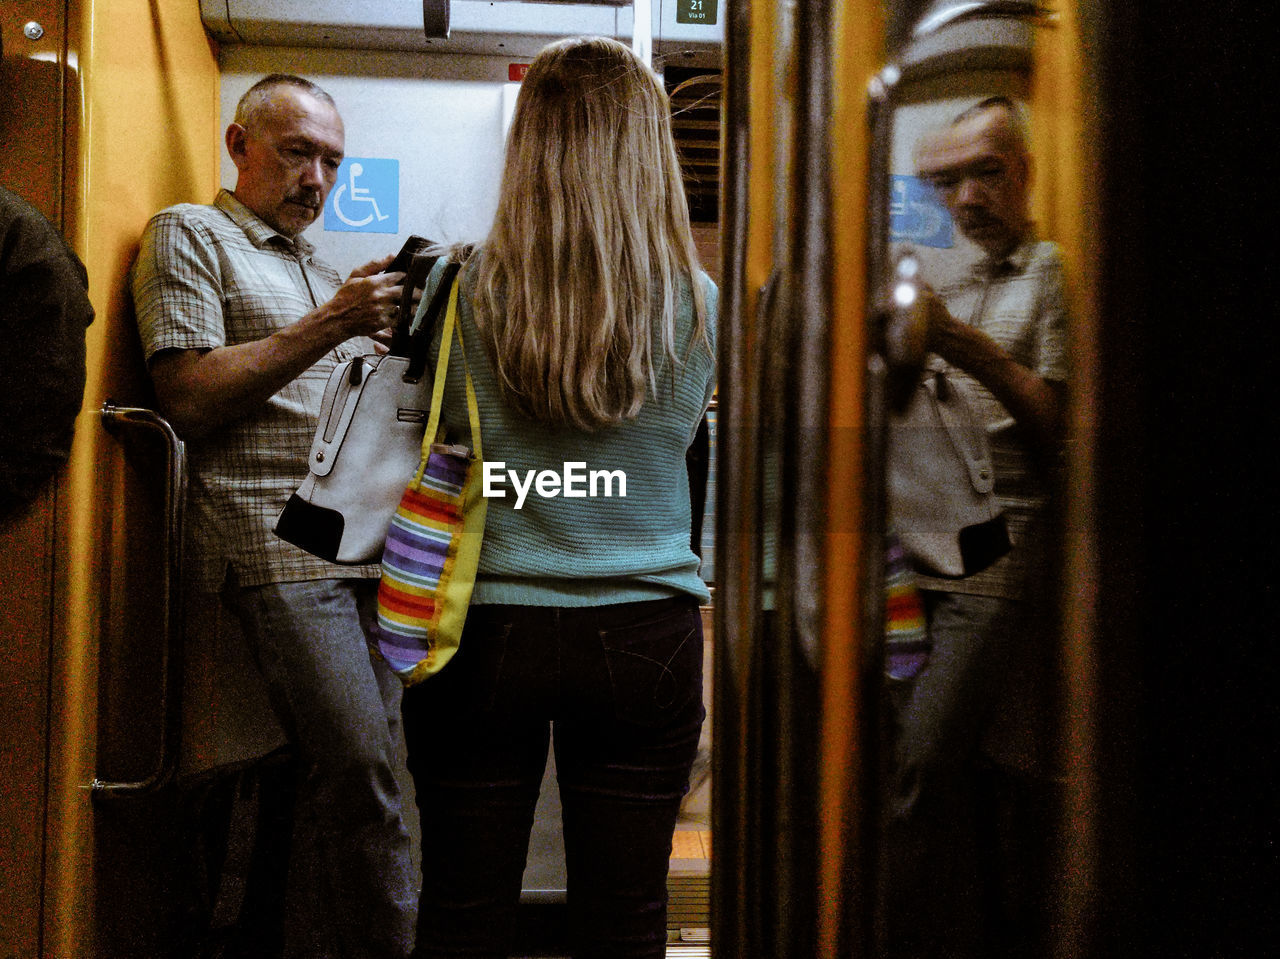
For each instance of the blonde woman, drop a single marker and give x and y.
(590, 333)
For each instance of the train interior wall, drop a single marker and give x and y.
(101, 127)
(31, 145)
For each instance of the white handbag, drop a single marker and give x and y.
(367, 444)
(941, 482)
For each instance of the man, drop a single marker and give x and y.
(1001, 331)
(241, 326)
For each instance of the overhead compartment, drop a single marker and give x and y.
(689, 32)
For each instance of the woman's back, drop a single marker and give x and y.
(579, 517)
(590, 335)
(590, 330)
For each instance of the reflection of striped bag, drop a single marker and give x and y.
(906, 637)
(433, 546)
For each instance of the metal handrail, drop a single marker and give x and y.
(733, 887)
(116, 418)
(946, 13)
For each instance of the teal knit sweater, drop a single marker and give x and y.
(585, 550)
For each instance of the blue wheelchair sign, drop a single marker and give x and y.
(916, 215)
(366, 198)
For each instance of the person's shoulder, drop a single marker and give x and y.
(464, 258)
(710, 296)
(191, 227)
(465, 255)
(1045, 255)
(28, 238)
(702, 281)
(15, 209)
(712, 291)
(686, 317)
(1047, 269)
(190, 214)
(18, 218)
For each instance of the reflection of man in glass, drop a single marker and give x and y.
(1001, 330)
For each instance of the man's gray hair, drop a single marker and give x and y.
(1017, 123)
(249, 109)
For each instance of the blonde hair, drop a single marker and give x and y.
(578, 283)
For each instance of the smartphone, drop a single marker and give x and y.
(415, 244)
(414, 279)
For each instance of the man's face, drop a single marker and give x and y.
(981, 173)
(289, 160)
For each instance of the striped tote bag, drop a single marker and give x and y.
(433, 546)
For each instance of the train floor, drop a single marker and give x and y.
(542, 933)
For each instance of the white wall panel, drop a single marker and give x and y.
(440, 116)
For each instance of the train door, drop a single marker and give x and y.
(822, 103)
(792, 758)
(426, 122)
(34, 81)
(100, 128)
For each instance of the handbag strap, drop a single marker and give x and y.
(415, 278)
(437, 390)
(428, 315)
(963, 430)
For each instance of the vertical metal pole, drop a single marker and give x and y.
(435, 19)
(642, 31)
(116, 418)
(736, 622)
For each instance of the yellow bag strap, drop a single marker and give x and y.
(437, 388)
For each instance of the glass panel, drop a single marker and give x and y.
(976, 333)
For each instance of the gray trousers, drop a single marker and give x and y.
(350, 893)
(931, 895)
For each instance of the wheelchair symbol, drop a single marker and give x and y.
(916, 215)
(356, 194)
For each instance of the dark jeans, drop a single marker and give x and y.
(622, 685)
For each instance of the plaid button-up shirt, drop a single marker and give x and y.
(1020, 303)
(211, 276)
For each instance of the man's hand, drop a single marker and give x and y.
(363, 305)
(202, 390)
(945, 335)
(1036, 404)
(382, 337)
(372, 267)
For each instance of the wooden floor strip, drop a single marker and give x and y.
(691, 844)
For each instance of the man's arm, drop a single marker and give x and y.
(1036, 404)
(201, 390)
